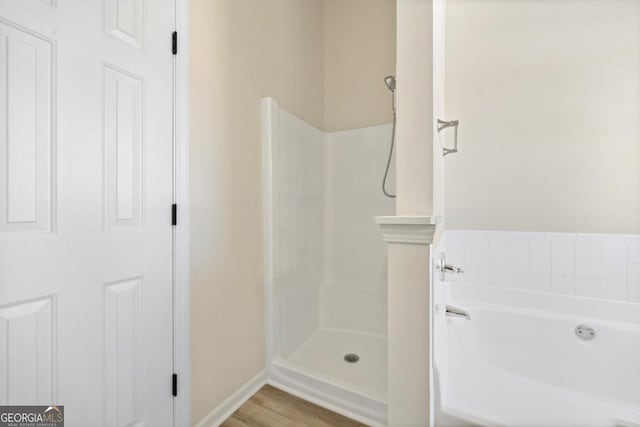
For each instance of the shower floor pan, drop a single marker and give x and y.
(318, 371)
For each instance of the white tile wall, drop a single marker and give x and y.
(591, 265)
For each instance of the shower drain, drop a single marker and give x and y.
(351, 358)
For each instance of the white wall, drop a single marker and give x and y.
(354, 294)
(548, 95)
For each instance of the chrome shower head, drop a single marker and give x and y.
(390, 82)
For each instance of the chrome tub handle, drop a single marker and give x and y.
(443, 267)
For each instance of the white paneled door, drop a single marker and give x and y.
(86, 107)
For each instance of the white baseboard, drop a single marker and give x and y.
(233, 402)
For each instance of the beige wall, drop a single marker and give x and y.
(359, 51)
(549, 133)
(241, 50)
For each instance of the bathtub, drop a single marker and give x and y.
(515, 364)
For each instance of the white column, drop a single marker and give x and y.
(410, 234)
(414, 71)
(409, 318)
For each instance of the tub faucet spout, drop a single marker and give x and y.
(457, 312)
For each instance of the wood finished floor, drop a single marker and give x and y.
(271, 407)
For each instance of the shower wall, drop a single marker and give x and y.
(353, 295)
(549, 135)
(298, 227)
(329, 262)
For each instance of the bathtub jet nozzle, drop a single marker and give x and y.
(585, 332)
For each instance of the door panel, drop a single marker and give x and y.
(123, 358)
(85, 219)
(123, 148)
(124, 20)
(25, 116)
(26, 350)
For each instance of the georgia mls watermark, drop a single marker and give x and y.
(31, 416)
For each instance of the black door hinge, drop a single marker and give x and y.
(174, 214)
(174, 42)
(174, 383)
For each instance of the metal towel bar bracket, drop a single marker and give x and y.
(442, 125)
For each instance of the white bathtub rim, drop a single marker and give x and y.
(469, 417)
(623, 312)
(625, 326)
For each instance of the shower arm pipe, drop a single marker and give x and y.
(442, 125)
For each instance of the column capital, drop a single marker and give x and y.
(416, 230)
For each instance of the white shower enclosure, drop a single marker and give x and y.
(325, 263)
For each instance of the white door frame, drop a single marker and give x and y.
(182, 288)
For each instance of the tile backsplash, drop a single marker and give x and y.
(592, 265)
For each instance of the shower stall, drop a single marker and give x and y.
(326, 262)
